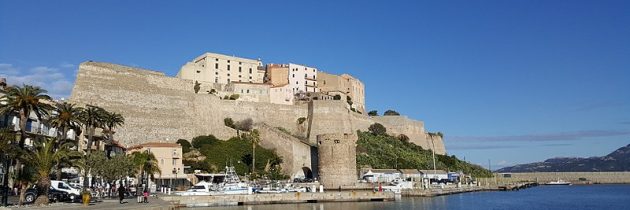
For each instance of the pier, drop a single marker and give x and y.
(517, 186)
(280, 198)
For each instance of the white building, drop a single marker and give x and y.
(302, 78)
(222, 69)
(434, 174)
(381, 175)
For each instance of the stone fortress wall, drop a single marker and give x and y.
(157, 107)
(335, 151)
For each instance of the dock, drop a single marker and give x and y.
(516, 186)
(279, 198)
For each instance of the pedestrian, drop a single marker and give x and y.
(121, 193)
(146, 195)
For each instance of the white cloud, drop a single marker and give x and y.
(56, 81)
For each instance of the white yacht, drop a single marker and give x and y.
(558, 182)
(226, 183)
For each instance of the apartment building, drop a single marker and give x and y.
(302, 78)
(222, 69)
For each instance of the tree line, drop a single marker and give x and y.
(35, 164)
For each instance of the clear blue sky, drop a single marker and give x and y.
(511, 81)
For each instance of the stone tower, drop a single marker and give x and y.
(337, 159)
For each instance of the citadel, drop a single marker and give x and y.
(307, 116)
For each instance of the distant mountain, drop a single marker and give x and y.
(619, 160)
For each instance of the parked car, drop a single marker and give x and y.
(53, 195)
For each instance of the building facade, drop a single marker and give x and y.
(346, 86)
(277, 74)
(169, 158)
(222, 69)
(302, 78)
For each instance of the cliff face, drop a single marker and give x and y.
(161, 108)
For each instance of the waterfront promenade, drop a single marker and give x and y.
(154, 204)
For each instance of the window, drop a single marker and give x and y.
(228, 61)
(239, 63)
(216, 59)
(198, 71)
(293, 75)
(216, 73)
(313, 76)
(228, 67)
(250, 77)
(216, 80)
(228, 81)
(296, 82)
(216, 65)
(239, 76)
(239, 69)
(228, 75)
(250, 70)
(247, 90)
(174, 161)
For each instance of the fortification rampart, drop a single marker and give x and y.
(161, 108)
(573, 177)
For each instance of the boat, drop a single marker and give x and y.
(558, 182)
(226, 183)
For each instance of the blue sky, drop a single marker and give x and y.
(506, 81)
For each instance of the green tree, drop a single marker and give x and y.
(391, 113)
(65, 117)
(403, 138)
(185, 145)
(43, 158)
(254, 137)
(110, 121)
(92, 118)
(92, 164)
(373, 113)
(337, 97)
(377, 129)
(146, 164)
(199, 141)
(24, 101)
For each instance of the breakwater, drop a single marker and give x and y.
(573, 177)
(280, 198)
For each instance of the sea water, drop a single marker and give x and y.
(575, 197)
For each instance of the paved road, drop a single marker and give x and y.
(130, 203)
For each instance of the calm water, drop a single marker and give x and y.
(537, 198)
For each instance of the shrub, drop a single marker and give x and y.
(403, 137)
(377, 129)
(244, 125)
(228, 122)
(337, 97)
(199, 141)
(197, 87)
(391, 113)
(373, 113)
(226, 97)
(185, 145)
(234, 96)
(301, 120)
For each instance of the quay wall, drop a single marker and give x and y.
(298, 197)
(573, 177)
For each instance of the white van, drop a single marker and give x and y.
(73, 193)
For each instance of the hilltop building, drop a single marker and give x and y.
(347, 87)
(222, 69)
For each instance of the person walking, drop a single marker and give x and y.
(121, 193)
(146, 195)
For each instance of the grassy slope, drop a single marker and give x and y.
(388, 152)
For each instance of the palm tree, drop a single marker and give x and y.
(146, 164)
(43, 158)
(66, 116)
(111, 120)
(254, 136)
(24, 101)
(92, 118)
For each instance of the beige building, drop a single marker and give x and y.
(343, 85)
(278, 74)
(256, 92)
(281, 94)
(302, 78)
(169, 157)
(222, 69)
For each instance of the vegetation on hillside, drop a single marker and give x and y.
(384, 151)
(237, 151)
